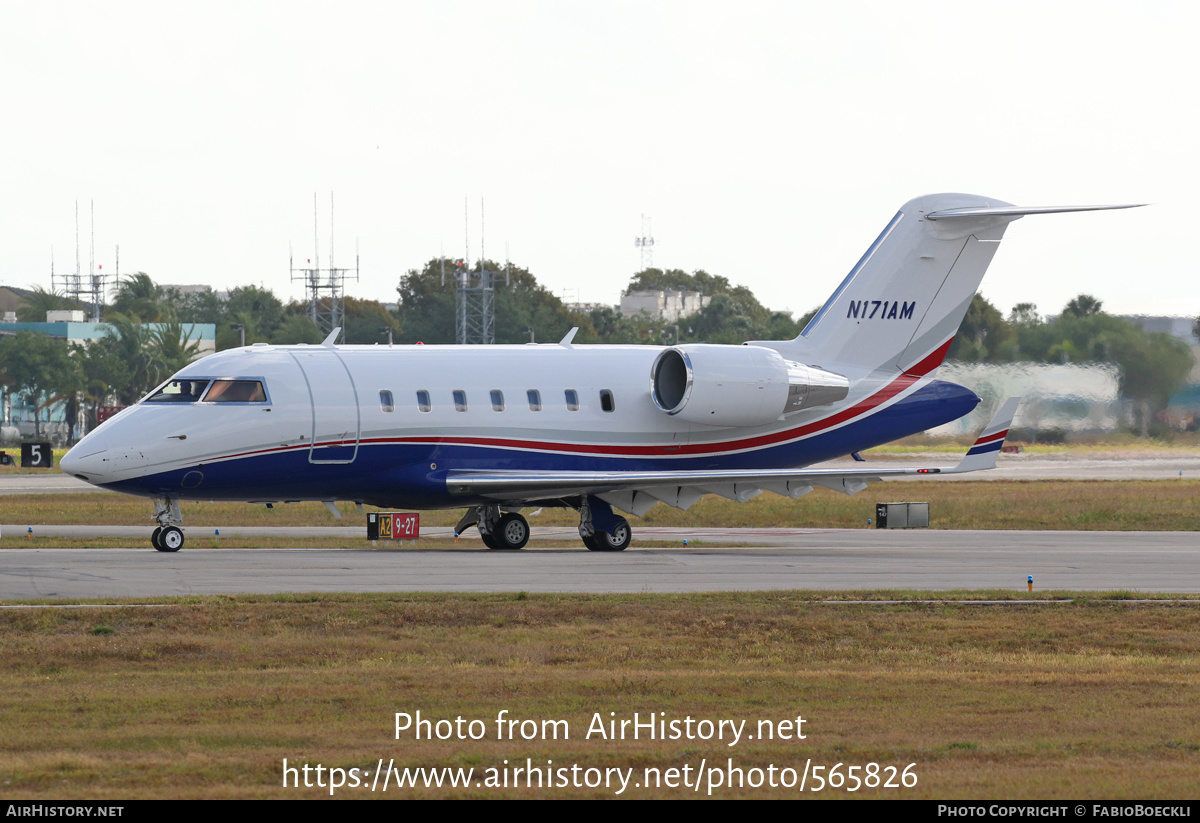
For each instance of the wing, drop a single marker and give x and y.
(638, 491)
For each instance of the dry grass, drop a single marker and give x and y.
(205, 697)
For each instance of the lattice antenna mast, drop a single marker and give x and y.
(646, 244)
(475, 293)
(90, 289)
(325, 287)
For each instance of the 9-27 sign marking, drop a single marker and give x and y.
(393, 526)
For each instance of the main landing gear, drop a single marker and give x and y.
(168, 537)
(599, 529)
(615, 541)
(507, 531)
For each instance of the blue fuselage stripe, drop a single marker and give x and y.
(413, 474)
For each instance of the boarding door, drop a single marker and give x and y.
(336, 422)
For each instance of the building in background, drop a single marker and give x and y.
(670, 306)
(18, 415)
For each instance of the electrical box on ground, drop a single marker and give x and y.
(901, 515)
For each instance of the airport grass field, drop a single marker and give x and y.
(206, 697)
(1076, 696)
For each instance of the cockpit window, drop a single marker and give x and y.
(179, 391)
(236, 391)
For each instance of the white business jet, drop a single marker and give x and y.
(494, 429)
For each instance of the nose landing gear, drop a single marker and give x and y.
(168, 537)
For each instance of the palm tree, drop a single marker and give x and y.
(172, 345)
(138, 296)
(37, 302)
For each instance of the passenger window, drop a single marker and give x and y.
(236, 391)
(385, 401)
(460, 400)
(572, 398)
(423, 403)
(535, 399)
(497, 400)
(606, 400)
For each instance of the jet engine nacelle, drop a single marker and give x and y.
(738, 385)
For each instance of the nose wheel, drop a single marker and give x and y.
(168, 539)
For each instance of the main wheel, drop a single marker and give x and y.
(489, 541)
(615, 541)
(512, 532)
(170, 540)
(154, 538)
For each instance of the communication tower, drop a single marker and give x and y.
(646, 244)
(324, 288)
(86, 289)
(474, 293)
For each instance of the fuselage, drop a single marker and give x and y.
(387, 424)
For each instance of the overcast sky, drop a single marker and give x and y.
(767, 142)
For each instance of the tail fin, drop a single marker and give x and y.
(899, 308)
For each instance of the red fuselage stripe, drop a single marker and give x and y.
(899, 384)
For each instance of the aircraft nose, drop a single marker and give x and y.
(85, 459)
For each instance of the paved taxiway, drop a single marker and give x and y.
(765, 559)
(757, 559)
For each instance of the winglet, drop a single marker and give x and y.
(331, 340)
(982, 455)
(566, 341)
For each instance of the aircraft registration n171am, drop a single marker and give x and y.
(493, 429)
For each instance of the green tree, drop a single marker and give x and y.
(426, 310)
(1083, 306)
(1024, 314)
(38, 301)
(364, 319)
(254, 307)
(426, 303)
(732, 314)
(678, 280)
(133, 344)
(1152, 366)
(139, 297)
(297, 328)
(39, 366)
(172, 346)
(195, 306)
(983, 335)
(105, 374)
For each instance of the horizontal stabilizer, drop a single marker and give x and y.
(1019, 211)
